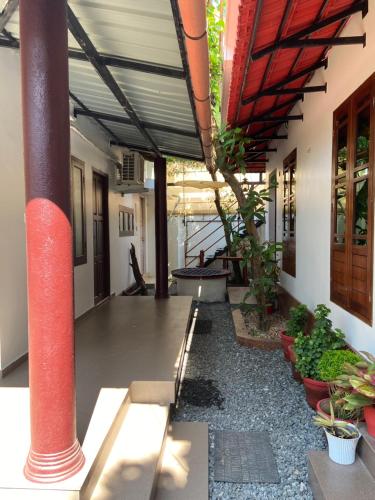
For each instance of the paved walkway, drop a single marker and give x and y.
(246, 389)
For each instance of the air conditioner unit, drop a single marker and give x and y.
(129, 173)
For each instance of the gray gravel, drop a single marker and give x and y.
(259, 394)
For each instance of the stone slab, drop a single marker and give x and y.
(184, 470)
(331, 481)
(237, 293)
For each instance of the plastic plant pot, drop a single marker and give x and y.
(315, 391)
(286, 341)
(369, 412)
(342, 451)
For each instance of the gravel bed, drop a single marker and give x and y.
(277, 324)
(258, 393)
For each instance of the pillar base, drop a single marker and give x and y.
(51, 468)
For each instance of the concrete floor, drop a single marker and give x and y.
(125, 339)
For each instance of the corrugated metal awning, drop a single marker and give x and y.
(141, 44)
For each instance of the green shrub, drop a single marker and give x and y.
(331, 363)
(298, 317)
(310, 348)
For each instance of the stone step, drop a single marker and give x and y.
(330, 481)
(366, 450)
(184, 470)
(133, 463)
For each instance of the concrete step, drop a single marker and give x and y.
(184, 470)
(366, 450)
(330, 481)
(133, 463)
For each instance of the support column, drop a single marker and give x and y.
(55, 453)
(161, 228)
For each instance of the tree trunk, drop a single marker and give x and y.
(255, 263)
(227, 232)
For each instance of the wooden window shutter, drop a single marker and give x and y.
(352, 203)
(289, 213)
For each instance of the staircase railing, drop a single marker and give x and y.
(189, 258)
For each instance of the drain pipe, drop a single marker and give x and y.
(193, 16)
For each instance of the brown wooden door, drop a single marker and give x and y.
(100, 233)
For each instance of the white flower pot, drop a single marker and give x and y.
(342, 451)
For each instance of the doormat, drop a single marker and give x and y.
(244, 457)
(201, 392)
(202, 327)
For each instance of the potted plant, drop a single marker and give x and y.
(336, 399)
(342, 438)
(293, 359)
(309, 350)
(360, 377)
(297, 323)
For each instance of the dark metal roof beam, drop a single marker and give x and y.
(288, 79)
(280, 119)
(263, 150)
(358, 6)
(250, 162)
(94, 58)
(269, 111)
(269, 138)
(299, 90)
(98, 121)
(164, 151)
(322, 42)
(114, 61)
(127, 121)
(7, 12)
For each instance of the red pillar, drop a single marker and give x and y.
(55, 453)
(161, 229)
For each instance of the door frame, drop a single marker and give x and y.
(106, 246)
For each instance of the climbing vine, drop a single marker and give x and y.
(215, 29)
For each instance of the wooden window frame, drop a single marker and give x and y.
(126, 221)
(289, 200)
(342, 287)
(82, 259)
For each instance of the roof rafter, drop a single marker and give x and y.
(274, 137)
(322, 42)
(357, 7)
(98, 121)
(280, 119)
(296, 90)
(273, 109)
(286, 80)
(164, 151)
(94, 58)
(7, 12)
(112, 60)
(127, 121)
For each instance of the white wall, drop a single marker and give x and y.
(93, 149)
(13, 301)
(348, 68)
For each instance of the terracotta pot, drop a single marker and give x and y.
(369, 412)
(323, 407)
(292, 356)
(286, 341)
(315, 391)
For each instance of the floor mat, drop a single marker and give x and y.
(202, 327)
(201, 392)
(244, 457)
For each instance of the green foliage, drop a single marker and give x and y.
(331, 363)
(337, 399)
(230, 149)
(335, 427)
(298, 317)
(359, 377)
(215, 29)
(310, 348)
